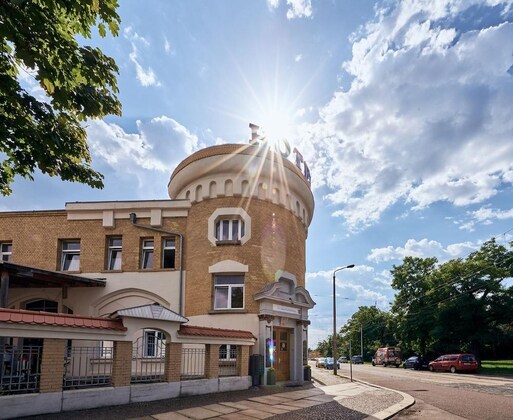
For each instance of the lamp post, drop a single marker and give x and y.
(335, 319)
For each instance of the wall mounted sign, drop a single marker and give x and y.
(285, 309)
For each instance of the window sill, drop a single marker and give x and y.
(111, 271)
(223, 243)
(70, 271)
(227, 311)
(153, 270)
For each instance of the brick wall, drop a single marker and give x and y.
(36, 239)
(277, 243)
(122, 363)
(242, 360)
(173, 367)
(52, 365)
(212, 361)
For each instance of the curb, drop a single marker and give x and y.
(391, 411)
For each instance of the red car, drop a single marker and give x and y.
(454, 363)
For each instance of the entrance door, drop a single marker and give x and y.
(281, 337)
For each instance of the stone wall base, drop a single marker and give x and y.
(54, 402)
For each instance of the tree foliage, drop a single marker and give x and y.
(371, 324)
(39, 38)
(461, 305)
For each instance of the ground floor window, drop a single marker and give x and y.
(154, 343)
(228, 352)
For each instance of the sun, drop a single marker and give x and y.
(275, 125)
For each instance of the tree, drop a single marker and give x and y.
(371, 323)
(39, 38)
(412, 306)
(461, 305)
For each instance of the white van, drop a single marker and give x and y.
(387, 356)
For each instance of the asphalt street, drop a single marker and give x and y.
(443, 395)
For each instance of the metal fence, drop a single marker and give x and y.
(148, 359)
(20, 369)
(86, 367)
(193, 363)
(227, 367)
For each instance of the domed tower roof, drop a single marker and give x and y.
(251, 170)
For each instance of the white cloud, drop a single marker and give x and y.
(146, 76)
(422, 249)
(298, 58)
(426, 118)
(296, 8)
(167, 46)
(485, 215)
(151, 153)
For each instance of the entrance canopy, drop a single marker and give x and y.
(21, 276)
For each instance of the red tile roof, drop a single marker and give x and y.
(21, 316)
(214, 332)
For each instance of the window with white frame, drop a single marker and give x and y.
(228, 352)
(229, 229)
(228, 292)
(147, 254)
(154, 343)
(115, 247)
(6, 251)
(70, 255)
(168, 253)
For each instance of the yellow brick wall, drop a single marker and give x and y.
(277, 243)
(52, 365)
(35, 237)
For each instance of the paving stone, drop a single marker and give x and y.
(172, 415)
(256, 414)
(323, 398)
(270, 399)
(236, 416)
(198, 413)
(223, 409)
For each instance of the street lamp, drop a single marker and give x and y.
(335, 319)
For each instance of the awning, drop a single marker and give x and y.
(21, 276)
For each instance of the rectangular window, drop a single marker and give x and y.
(147, 254)
(228, 352)
(154, 344)
(229, 292)
(114, 253)
(229, 230)
(168, 251)
(6, 251)
(70, 255)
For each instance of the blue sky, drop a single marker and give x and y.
(403, 111)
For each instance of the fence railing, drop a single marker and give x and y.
(148, 360)
(227, 367)
(20, 369)
(193, 363)
(86, 367)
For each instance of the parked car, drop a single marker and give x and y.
(329, 363)
(387, 356)
(416, 363)
(343, 359)
(454, 363)
(321, 362)
(357, 360)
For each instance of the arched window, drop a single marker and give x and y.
(43, 305)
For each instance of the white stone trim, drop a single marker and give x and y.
(229, 211)
(228, 266)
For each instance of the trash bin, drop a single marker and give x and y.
(256, 368)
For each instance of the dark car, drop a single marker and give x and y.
(357, 360)
(329, 363)
(416, 363)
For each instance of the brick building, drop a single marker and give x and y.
(226, 252)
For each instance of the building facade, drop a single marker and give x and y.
(226, 251)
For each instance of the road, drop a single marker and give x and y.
(442, 395)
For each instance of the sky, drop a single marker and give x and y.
(402, 109)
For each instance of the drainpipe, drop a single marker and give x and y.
(133, 219)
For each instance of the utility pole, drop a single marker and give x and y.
(361, 339)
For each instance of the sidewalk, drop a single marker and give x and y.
(329, 397)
